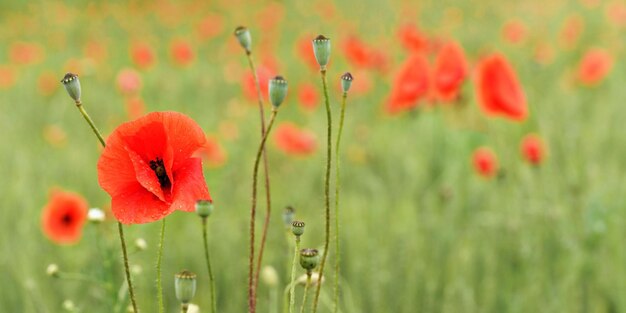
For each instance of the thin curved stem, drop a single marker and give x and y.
(251, 276)
(326, 190)
(208, 264)
(158, 268)
(306, 291)
(292, 297)
(337, 188)
(120, 229)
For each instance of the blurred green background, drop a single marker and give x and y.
(421, 231)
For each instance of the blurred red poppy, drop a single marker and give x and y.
(413, 39)
(142, 55)
(47, 83)
(128, 81)
(357, 52)
(294, 141)
(210, 26)
(212, 152)
(305, 52)
(181, 52)
(8, 76)
(410, 84)
(63, 216)
(571, 30)
(135, 107)
(150, 167)
(26, 53)
(616, 13)
(265, 73)
(485, 162)
(533, 149)
(595, 65)
(450, 71)
(308, 96)
(498, 89)
(514, 31)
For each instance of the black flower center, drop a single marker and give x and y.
(159, 169)
(66, 219)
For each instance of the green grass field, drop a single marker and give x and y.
(421, 232)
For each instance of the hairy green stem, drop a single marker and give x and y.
(120, 229)
(326, 190)
(306, 290)
(158, 268)
(208, 264)
(337, 188)
(251, 276)
(292, 297)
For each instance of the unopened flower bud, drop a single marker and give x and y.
(297, 228)
(185, 286)
(52, 270)
(277, 91)
(346, 81)
(288, 216)
(269, 276)
(72, 85)
(95, 215)
(141, 244)
(244, 38)
(321, 48)
(309, 259)
(204, 208)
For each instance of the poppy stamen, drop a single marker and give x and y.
(159, 169)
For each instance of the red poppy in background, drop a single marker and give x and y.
(142, 55)
(498, 89)
(128, 81)
(294, 141)
(135, 107)
(413, 39)
(410, 84)
(595, 65)
(533, 149)
(150, 168)
(181, 52)
(449, 72)
(47, 83)
(8, 76)
(571, 30)
(485, 162)
(212, 152)
(305, 51)
(265, 73)
(308, 97)
(514, 31)
(63, 216)
(96, 50)
(616, 13)
(357, 52)
(210, 26)
(26, 53)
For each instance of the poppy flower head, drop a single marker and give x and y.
(305, 52)
(149, 167)
(485, 162)
(595, 65)
(265, 73)
(533, 149)
(616, 13)
(413, 39)
(498, 89)
(410, 84)
(182, 53)
(128, 81)
(63, 216)
(294, 141)
(514, 31)
(308, 97)
(142, 55)
(450, 70)
(357, 52)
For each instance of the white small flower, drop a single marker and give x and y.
(52, 270)
(95, 215)
(193, 308)
(136, 269)
(141, 244)
(315, 276)
(69, 306)
(269, 276)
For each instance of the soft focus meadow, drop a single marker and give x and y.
(502, 193)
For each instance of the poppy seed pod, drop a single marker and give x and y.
(277, 91)
(297, 228)
(72, 85)
(309, 259)
(204, 208)
(321, 48)
(185, 286)
(288, 215)
(346, 82)
(243, 36)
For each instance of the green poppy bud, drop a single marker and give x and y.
(185, 286)
(321, 48)
(204, 208)
(277, 91)
(309, 259)
(297, 228)
(244, 38)
(288, 216)
(346, 81)
(72, 85)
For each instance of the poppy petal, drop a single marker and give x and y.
(190, 185)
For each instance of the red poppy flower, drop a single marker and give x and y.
(47, 83)
(305, 52)
(413, 39)
(26, 53)
(294, 141)
(616, 13)
(410, 85)
(533, 150)
(142, 55)
(514, 31)
(357, 52)
(128, 81)
(149, 167)
(595, 65)
(181, 52)
(64, 216)
(571, 30)
(8, 76)
(449, 72)
(212, 152)
(210, 26)
(135, 107)
(96, 50)
(264, 72)
(498, 90)
(308, 97)
(485, 162)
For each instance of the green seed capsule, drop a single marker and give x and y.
(277, 91)
(244, 38)
(72, 85)
(204, 208)
(185, 286)
(297, 228)
(309, 259)
(321, 48)
(346, 81)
